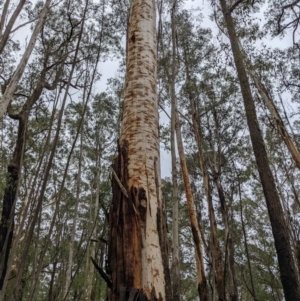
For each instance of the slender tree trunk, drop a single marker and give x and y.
(11, 88)
(202, 283)
(14, 169)
(277, 120)
(86, 97)
(94, 224)
(88, 263)
(3, 17)
(10, 195)
(229, 249)
(49, 164)
(22, 216)
(10, 24)
(246, 246)
(288, 272)
(175, 196)
(47, 240)
(216, 252)
(73, 232)
(233, 293)
(137, 237)
(51, 285)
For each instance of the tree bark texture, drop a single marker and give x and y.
(137, 228)
(288, 272)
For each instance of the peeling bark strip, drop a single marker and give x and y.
(128, 217)
(124, 191)
(123, 229)
(135, 254)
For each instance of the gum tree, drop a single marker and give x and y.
(137, 252)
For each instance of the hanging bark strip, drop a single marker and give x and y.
(126, 241)
(125, 245)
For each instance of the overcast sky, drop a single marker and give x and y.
(109, 69)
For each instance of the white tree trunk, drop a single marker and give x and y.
(140, 130)
(141, 212)
(94, 224)
(175, 194)
(73, 232)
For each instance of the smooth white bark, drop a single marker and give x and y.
(140, 130)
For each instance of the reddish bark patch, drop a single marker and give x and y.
(125, 241)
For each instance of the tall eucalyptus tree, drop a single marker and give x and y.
(137, 253)
(288, 270)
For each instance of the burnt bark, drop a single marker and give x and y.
(288, 272)
(127, 220)
(124, 241)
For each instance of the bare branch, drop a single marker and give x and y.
(24, 24)
(290, 5)
(164, 110)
